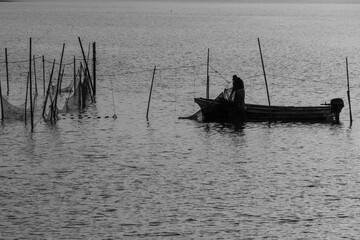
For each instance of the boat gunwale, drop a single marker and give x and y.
(266, 107)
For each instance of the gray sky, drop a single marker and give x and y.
(207, 1)
(216, 1)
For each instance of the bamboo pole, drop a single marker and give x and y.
(94, 67)
(88, 87)
(267, 89)
(348, 91)
(48, 89)
(80, 96)
(207, 76)
(88, 53)
(26, 96)
(31, 100)
(74, 76)
(2, 105)
(59, 76)
(43, 65)
(54, 103)
(80, 86)
(152, 82)
(36, 88)
(7, 70)
(86, 64)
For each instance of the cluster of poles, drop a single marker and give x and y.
(86, 84)
(83, 86)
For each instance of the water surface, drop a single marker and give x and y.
(94, 177)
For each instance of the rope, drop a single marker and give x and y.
(300, 79)
(219, 74)
(18, 61)
(250, 98)
(182, 67)
(228, 82)
(47, 61)
(64, 64)
(160, 69)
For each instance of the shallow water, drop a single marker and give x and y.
(94, 177)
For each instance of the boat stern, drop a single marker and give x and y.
(337, 105)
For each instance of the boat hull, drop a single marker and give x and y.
(213, 110)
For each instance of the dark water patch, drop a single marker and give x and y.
(6, 177)
(190, 220)
(63, 171)
(289, 220)
(95, 156)
(154, 224)
(354, 198)
(241, 162)
(111, 210)
(332, 198)
(130, 225)
(155, 234)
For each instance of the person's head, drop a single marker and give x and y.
(234, 79)
(237, 82)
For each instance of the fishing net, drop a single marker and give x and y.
(73, 97)
(227, 95)
(56, 99)
(18, 112)
(79, 97)
(14, 112)
(68, 100)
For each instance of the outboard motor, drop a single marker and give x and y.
(337, 105)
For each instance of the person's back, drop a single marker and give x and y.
(235, 95)
(239, 98)
(239, 91)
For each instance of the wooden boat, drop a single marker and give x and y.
(223, 109)
(213, 110)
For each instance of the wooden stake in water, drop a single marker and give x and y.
(348, 91)
(31, 100)
(267, 89)
(55, 108)
(43, 65)
(2, 105)
(86, 64)
(7, 70)
(36, 89)
(152, 82)
(59, 76)
(26, 96)
(74, 76)
(94, 67)
(48, 89)
(80, 87)
(207, 76)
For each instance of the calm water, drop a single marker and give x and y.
(94, 177)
